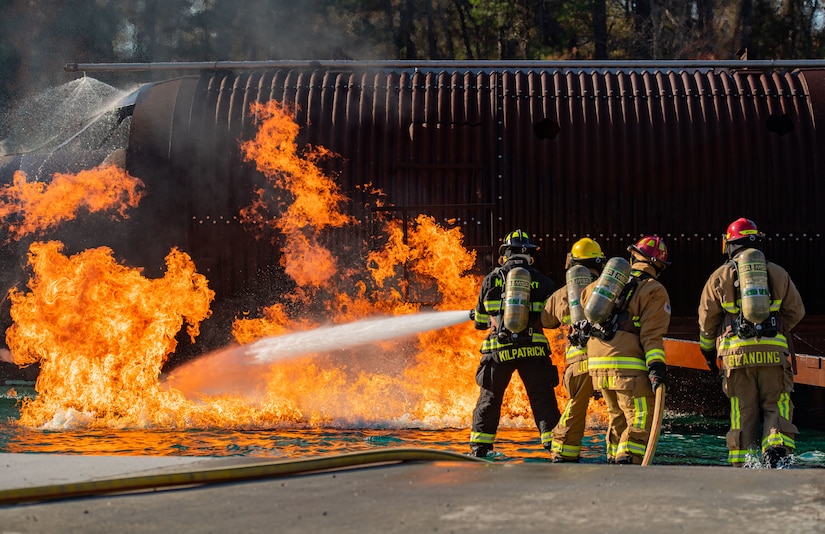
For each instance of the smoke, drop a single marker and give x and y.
(37, 39)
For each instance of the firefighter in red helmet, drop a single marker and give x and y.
(747, 309)
(584, 264)
(509, 305)
(625, 350)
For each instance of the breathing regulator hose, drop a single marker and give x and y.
(223, 475)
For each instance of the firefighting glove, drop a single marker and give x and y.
(472, 315)
(710, 358)
(579, 333)
(658, 374)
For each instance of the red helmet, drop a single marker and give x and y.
(742, 229)
(652, 248)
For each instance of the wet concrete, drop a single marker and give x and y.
(441, 496)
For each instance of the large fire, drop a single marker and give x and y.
(101, 331)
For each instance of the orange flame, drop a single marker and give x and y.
(40, 206)
(101, 332)
(314, 203)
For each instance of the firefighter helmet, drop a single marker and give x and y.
(518, 242)
(742, 229)
(651, 248)
(585, 249)
(741, 233)
(586, 252)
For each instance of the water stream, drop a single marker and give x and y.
(344, 336)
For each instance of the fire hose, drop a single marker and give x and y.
(224, 475)
(658, 415)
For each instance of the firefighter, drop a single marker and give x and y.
(746, 312)
(584, 264)
(510, 304)
(625, 351)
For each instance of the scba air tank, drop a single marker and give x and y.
(753, 285)
(517, 299)
(609, 285)
(577, 278)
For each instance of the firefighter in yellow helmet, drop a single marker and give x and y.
(584, 264)
(509, 305)
(746, 312)
(625, 350)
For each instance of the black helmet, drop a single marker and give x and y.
(518, 242)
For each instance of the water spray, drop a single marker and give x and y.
(365, 331)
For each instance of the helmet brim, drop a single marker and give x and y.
(503, 248)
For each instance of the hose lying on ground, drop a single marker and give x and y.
(226, 474)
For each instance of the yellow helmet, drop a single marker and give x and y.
(586, 249)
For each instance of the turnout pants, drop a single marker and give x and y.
(761, 410)
(568, 433)
(539, 376)
(630, 402)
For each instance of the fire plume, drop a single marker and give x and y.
(313, 200)
(27, 207)
(101, 332)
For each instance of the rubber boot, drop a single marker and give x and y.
(772, 456)
(480, 451)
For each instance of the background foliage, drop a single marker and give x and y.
(37, 38)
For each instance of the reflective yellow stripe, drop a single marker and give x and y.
(616, 362)
(735, 414)
(640, 409)
(492, 305)
(730, 344)
(611, 450)
(573, 353)
(784, 405)
(655, 355)
(707, 343)
(546, 437)
(567, 451)
(480, 437)
(737, 456)
(631, 447)
(730, 307)
(491, 344)
(777, 439)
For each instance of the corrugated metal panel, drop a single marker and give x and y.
(560, 152)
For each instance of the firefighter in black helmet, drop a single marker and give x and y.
(510, 303)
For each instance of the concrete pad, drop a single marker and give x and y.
(442, 496)
(28, 470)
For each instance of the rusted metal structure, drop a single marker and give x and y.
(562, 150)
(613, 153)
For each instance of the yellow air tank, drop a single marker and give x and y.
(517, 299)
(753, 285)
(609, 285)
(577, 278)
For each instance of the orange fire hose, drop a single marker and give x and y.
(222, 475)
